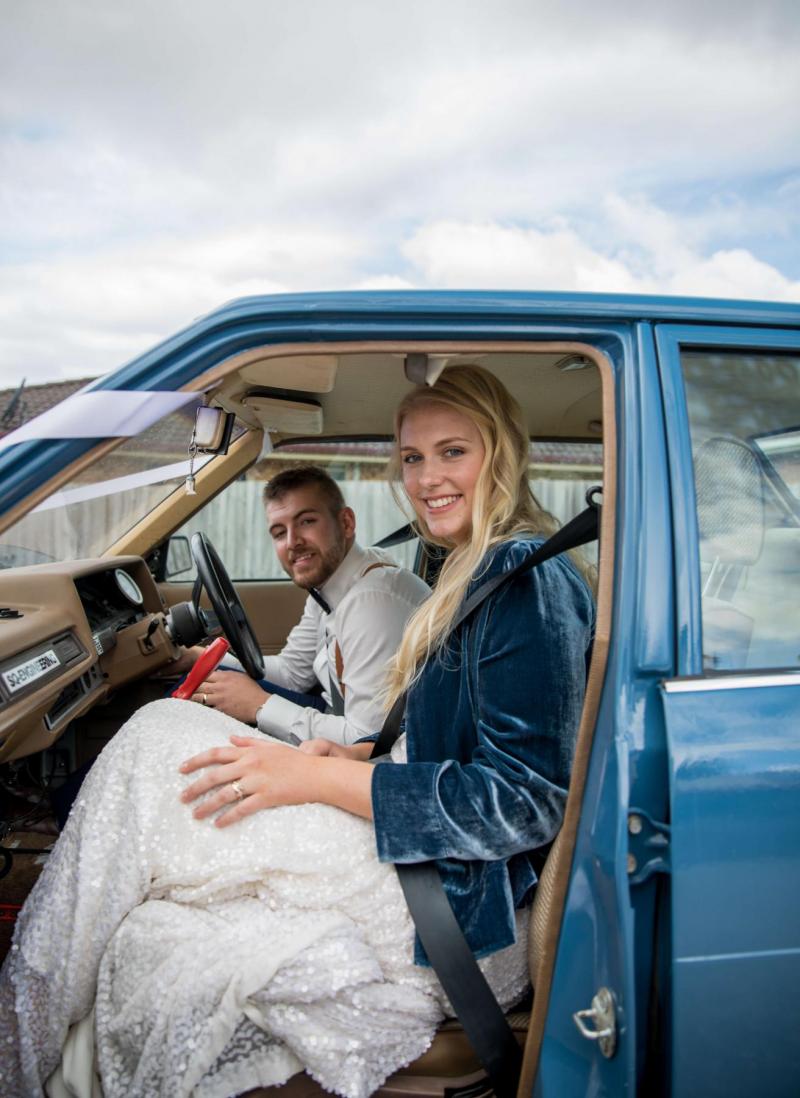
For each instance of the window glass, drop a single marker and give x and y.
(105, 500)
(744, 418)
(234, 521)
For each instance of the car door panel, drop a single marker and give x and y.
(735, 802)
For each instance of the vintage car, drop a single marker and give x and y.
(666, 955)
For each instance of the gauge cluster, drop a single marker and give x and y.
(112, 601)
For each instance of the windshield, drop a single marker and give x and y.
(100, 503)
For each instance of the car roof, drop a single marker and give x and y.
(589, 305)
(426, 315)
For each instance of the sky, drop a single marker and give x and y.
(162, 157)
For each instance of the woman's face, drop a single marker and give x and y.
(441, 451)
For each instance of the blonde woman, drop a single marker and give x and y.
(196, 943)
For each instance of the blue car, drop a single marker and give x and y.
(666, 943)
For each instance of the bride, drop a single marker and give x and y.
(221, 910)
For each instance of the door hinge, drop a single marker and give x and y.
(648, 846)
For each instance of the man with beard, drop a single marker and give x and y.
(359, 602)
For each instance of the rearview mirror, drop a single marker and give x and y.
(212, 430)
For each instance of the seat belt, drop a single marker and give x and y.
(397, 537)
(448, 951)
(337, 695)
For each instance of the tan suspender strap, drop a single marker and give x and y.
(337, 655)
(337, 652)
(378, 564)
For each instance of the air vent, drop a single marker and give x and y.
(71, 697)
(67, 648)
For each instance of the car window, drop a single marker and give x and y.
(106, 499)
(561, 473)
(744, 418)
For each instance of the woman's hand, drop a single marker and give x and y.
(253, 774)
(358, 751)
(249, 775)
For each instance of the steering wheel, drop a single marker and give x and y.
(227, 606)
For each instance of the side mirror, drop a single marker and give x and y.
(179, 556)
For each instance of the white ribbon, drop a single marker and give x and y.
(178, 470)
(102, 413)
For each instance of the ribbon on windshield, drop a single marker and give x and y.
(177, 470)
(101, 413)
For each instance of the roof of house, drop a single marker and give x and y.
(25, 402)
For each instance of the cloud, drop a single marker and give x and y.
(653, 255)
(79, 317)
(147, 121)
(76, 316)
(452, 254)
(157, 159)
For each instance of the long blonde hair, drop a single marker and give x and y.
(503, 505)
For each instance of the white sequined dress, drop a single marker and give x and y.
(214, 960)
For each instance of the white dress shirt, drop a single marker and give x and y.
(369, 609)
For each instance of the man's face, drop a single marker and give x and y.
(310, 541)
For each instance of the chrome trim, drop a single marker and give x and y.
(732, 682)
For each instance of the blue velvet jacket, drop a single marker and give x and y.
(490, 731)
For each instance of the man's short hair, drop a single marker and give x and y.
(303, 476)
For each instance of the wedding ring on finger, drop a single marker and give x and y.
(236, 786)
(204, 698)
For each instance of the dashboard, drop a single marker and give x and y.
(70, 634)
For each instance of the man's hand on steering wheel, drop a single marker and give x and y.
(233, 693)
(227, 605)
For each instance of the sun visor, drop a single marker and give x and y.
(288, 417)
(301, 373)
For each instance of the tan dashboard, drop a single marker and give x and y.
(71, 633)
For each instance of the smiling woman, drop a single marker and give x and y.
(440, 483)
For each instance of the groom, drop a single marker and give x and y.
(358, 605)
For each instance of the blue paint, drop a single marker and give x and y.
(735, 789)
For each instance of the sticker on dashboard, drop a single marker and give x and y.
(25, 673)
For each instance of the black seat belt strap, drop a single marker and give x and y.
(578, 531)
(337, 701)
(397, 537)
(465, 985)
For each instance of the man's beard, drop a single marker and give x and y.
(325, 565)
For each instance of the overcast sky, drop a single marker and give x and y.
(160, 157)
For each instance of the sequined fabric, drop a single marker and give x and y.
(216, 960)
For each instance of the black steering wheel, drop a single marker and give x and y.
(227, 606)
